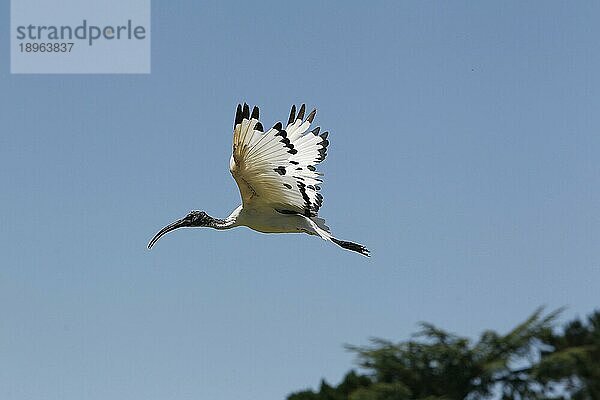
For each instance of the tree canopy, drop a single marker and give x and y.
(534, 361)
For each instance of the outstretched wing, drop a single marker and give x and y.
(277, 168)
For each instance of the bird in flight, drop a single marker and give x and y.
(275, 172)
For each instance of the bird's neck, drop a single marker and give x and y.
(227, 223)
(220, 224)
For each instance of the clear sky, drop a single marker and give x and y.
(465, 142)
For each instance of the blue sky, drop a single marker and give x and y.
(464, 153)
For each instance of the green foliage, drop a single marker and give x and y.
(573, 359)
(351, 382)
(531, 362)
(382, 391)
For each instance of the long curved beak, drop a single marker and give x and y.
(180, 223)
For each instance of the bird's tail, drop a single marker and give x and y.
(359, 248)
(322, 230)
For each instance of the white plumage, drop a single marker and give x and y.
(277, 177)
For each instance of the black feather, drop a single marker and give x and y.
(292, 115)
(301, 112)
(280, 170)
(238, 115)
(359, 248)
(286, 211)
(307, 205)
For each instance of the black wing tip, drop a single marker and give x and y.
(292, 117)
(238, 115)
(278, 126)
(242, 112)
(359, 248)
(301, 111)
(323, 149)
(255, 113)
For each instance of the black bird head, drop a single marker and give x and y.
(193, 219)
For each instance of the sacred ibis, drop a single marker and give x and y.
(276, 175)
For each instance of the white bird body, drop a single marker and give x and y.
(277, 178)
(268, 220)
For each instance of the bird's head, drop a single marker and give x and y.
(194, 218)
